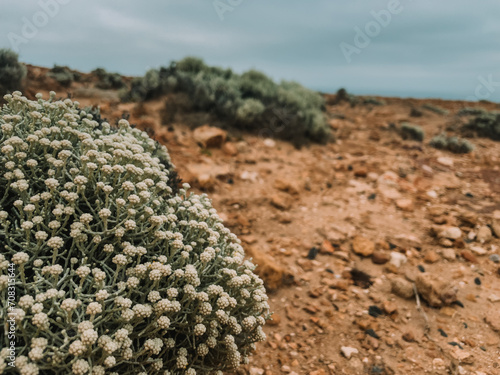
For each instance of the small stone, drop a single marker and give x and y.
(438, 364)
(494, 298)
(435, 290)
(467, 255)
(361, 172)
(318, 372)
(280, 202)
(431, 257)
(327, 248)
(495, 226)
(209, 136)
(483, 234)
(286, 368)
(230, 149)
(286, 186)
(256, 371)
(444, 242)
(449, 254)
(402, 288)
(478, 250)
(451, 233)
(348, 351)
(380, 257)
(409, 336)
(493, 319)
(275, 320)
(268, 142)
(363, 246)
(432, 194)
(398, 259)
(448, 162)
(405, 204)
(495, 258)
(390, 307)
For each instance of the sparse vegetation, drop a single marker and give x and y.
(12, 72)
(250, 101)
(64, 75)
(373, 101)
(108, 80)
(411, 131)
(483, 124)
(454, 144)
(435, 109)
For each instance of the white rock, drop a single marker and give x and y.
(268, 142)
(478, 250)
(493, 298)
(453, 233)
(398, 259)
(432, 194)
(443, 160)
(348, 351)
(256, 371)
(249, 176)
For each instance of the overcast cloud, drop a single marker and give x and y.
(448, 49)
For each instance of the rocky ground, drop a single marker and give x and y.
(381, 255)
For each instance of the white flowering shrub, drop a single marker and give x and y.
(114, 273)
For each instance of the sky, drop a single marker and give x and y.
(410, 48)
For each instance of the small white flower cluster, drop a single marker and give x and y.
(102, 240)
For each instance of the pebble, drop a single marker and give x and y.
(478, 250)
(467, 255)
(451, 233)
(495, 226)
(443, 160)
(495, 258)
(398, 259)
(484, 234)
(348, 351)
(449, 254)
(363, 246)
(268, 142)
(380, 257)
(494, 298)
(402, 288)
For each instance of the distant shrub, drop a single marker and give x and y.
(483, 124)
(343, 96)
(453, 144)
(435, 109)
(411, 131)
(250, 100)
(12, 72)
(415, 112)
(63, 75)
(469, 111)
(108, 80)
(373, 101)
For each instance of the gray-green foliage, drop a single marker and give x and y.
(454, 144)
(411, 131)
(114, 272)
(435, 109)
(12, 72)
(483, 124)
(64, 75)
(250, 100)
(108, 80)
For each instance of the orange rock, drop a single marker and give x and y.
(327, 248)
(268, 269)
(209, 136)
(363, 246)
(467, 255)
(229, 149)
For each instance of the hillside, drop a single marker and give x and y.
(344, 233)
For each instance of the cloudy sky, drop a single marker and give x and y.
(420, 48)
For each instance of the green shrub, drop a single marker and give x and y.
(250, 101)
(453, 144)
(63, 75)
(108, 80)
(370, 100)
(343, 96)
(435, 109)
(12, 72)
(470, 111)
(113, 272)
(484, 124)
(411, 131)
